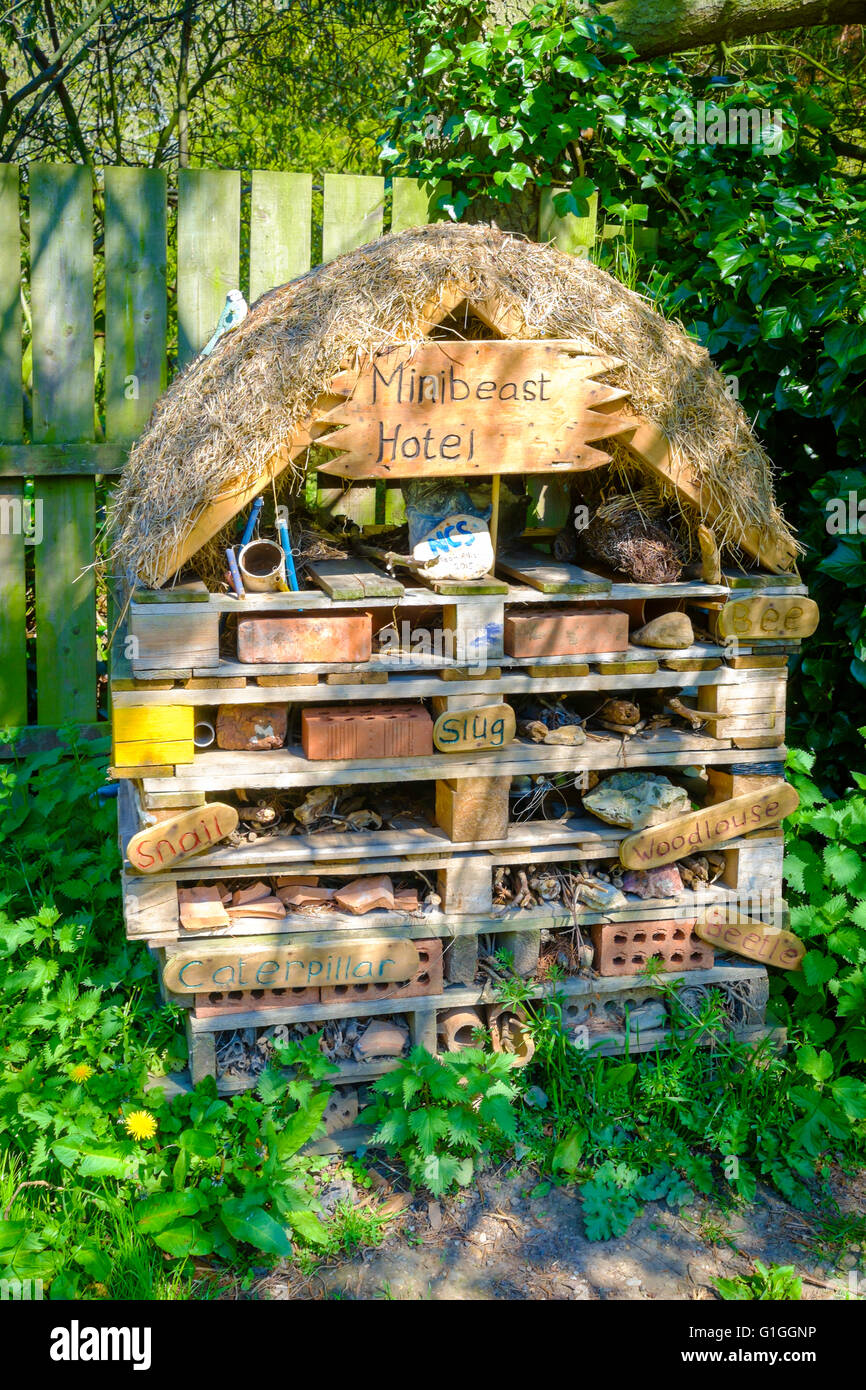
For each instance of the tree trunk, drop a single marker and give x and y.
(658, 27)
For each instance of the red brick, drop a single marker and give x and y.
(242, 1001)
(251, 727)
(350, 732)
(316, 639)
(567, 630)
(428, 980)
(623, 948)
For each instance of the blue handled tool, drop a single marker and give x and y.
(237, 582)
(251, 520)
(287, 547)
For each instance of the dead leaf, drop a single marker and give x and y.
(394, 1205)
(434, 1215)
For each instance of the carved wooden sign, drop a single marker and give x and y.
(449, 408)
(754, 940)
(160, 846)
(700, 830)
(270, 963)
(491, 726)
(767, 618)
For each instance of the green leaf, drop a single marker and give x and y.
(301, 1126)
(184, 1238)
(818, 968)
(255, 1226)
(163, 1208)
(428, 1125)
(842, 863)
(308, 1225)
(567, 1154)
(198, 1142)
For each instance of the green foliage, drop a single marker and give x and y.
(761, 247)
(666, 1126)
(824, 1005)
(768, 1283)
(439, 1115)
(81, 1030)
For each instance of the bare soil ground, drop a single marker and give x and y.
(497, 1242)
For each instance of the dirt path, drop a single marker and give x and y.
(497, 1242)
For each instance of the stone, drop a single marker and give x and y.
(647, 1016)
(380, 1039)
(251, 728)
(653, 883)
(569, 734)
(635, 800)
(601, 896)
(669, 631)
(366, 894)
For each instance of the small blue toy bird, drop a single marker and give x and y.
(235, 310)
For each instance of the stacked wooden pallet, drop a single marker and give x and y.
(178, 662)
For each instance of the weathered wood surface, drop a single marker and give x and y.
(271, 964)
(550, 576)
(704, 829)
(13, 608)
(475, 407)
(170, 842)
(489, 726)
(758, 941)
(344, 580)
(768, 618)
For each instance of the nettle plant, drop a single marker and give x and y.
(825, 1004)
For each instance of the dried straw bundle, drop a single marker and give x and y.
(227, 415)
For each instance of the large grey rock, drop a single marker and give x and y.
(635, 800)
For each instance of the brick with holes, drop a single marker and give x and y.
(428, 980)
(623, 948)
(239, 1001)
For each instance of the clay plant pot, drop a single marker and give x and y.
(263, 567)
(456, 1026)
(509, 1033)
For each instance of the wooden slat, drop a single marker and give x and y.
(281, 215)
(550, 576)
(13, 622)
(353, 215)
(61, 293)
(136, 312)
(208, 249)
(569, 233)
(52, 460)
(412, 204)
(353, 579)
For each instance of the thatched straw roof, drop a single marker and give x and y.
(227, 415)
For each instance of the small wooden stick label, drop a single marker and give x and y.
(755, 940)
(700, 830)
(263, 963)
(491, 726)
(160, 846)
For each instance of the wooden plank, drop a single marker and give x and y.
(37, 460)
(61, 294)
(472, 408)
(136, 309)
(550, 576)
(13, 614)
(413, 203)
(281, 216)
(287, 767)
(567, 231)
(468, 587)
(208, 251)
(353, 579)
(353, 212)
(740, 579)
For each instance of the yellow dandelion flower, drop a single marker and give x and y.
(140, 1124)
(82, 1071)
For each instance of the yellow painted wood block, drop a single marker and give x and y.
(153, 754)
(153, 723)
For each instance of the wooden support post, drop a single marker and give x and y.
(422, 1028)
(202, 1053)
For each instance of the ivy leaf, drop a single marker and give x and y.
(437, 59)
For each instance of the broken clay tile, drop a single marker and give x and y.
(297, 897)
(251, 894)
(297, 880)
(366, 894)
(262, 907)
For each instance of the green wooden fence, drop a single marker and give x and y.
(48, 589)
